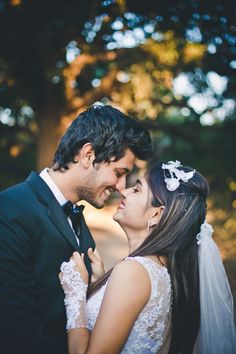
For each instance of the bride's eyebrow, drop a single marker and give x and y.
(139, 182)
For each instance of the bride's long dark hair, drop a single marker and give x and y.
(174, 238)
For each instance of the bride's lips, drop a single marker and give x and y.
(121, 205)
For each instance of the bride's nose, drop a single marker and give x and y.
(125, 192)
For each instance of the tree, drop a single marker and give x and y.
(169, 63)
(59, 57)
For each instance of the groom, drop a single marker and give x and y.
(37, 231)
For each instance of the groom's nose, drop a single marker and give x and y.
(120, 185)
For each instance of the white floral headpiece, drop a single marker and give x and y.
(172, 183)
(98, 104)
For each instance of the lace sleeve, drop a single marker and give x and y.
(75, 296)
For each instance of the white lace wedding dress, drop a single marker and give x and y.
(151, 329)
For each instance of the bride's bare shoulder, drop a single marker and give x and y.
(132, 277)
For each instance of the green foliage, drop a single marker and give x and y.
(57, 57)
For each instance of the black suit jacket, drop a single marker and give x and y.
(35, 238)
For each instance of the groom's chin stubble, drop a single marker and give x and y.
(90, 197)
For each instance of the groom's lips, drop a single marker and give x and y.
(107, 192)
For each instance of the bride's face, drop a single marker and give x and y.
(135, 209)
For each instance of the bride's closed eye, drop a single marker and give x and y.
(137, 187)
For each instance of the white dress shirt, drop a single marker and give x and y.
(57, 193)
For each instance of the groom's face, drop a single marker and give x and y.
(105, 178)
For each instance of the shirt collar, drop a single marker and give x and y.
(52, 185)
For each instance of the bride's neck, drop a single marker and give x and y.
(135, 238)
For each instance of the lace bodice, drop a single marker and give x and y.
(151, 327)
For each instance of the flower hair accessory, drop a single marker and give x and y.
(98, 104)
(172, 183)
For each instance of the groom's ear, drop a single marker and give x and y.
(156, 215)
(86, 155)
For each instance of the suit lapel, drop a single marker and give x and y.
(86, 238)
(58, 217)
(86, 241)
(55, 211)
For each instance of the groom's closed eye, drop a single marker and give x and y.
(121, 172)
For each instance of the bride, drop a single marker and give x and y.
(171, 294)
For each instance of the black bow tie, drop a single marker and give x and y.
(71, 210)
(74, 212)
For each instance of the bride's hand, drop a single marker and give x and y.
(96, 263)
(76, 264)
(74, 281)
(80, 266)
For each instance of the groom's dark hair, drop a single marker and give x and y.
(109, 131)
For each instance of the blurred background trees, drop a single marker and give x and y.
(171, 64)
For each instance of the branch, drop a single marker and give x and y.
(73, 70)
(179, 130)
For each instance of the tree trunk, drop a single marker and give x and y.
(48, 137)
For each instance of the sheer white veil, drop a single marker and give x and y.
(217, 328)
(217, 333)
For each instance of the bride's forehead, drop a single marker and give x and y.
(145, 186)
(144, 182)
